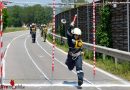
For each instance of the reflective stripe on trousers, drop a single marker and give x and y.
(79, 71)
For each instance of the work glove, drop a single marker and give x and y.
(82, 53)
(72, 24)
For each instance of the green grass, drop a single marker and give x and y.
(57, 43)
(13, 29)
(122, 69)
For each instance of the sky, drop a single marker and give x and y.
(35, 1)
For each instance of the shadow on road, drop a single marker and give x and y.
(72, 83)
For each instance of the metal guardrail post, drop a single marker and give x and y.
(116, 62)
(104, 56)
(128, 26)
(88, 22)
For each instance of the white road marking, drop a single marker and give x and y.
(69, 85)
(34, 61)
(4, 58)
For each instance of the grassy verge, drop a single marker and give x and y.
(121, 69)
(13, 29)
(63, 47)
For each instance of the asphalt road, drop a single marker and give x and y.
(30, 66)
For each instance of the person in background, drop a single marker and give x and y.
(30, 27)
(33, 33)
(41, 30)
(45, 29)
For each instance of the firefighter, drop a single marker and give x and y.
(33, 33)
(30, 29)
(74, 57)
(45, 32)
(41, 30)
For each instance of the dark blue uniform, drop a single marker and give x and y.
(33, 33)
(74, 57)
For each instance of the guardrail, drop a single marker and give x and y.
(117, 54)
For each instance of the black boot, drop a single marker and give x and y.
(80, 78)
(33, 40)
(80, 82)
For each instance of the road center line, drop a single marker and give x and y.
(33, 60)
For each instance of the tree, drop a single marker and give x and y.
(27, 15)
(103, 33)
(74, 1)
(5, 18)
(80, 1)
(77, 3)
(15, 17)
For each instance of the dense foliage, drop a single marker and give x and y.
(32, 14)
(103, 33)
(5, 17)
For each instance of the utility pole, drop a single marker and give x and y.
(128, 26)
(88, 21)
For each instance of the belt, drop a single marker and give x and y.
(74, 55)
